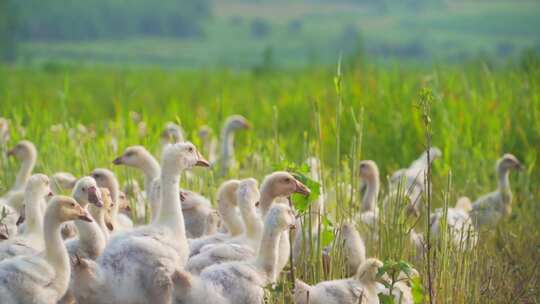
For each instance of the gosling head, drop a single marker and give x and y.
(204, 132)
(434, 153)
(281, 217)
(107, 199)
(236, 122)
(509, 161)
(134, 156)
(63, 181)
(369, 171)
(65, 208)
(86, 192)
(283, 184)
(367, 271)
(183, 155)
(302, 292)
(172, 133)
(248, 192)
(105, 178)
(24, 150)
(38, 184)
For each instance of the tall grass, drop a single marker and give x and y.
(82, 119)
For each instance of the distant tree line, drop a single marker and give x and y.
(68, 20)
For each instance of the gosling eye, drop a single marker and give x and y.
(287, 180)
(129, 154)
(190, 149)
(84, 189)
(72, 204)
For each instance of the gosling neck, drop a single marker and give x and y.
(98, 214)
(267, 198)
(25, 171)
(228, 211)
(227, 148)
(170, 213)
(56, 253)
(504, 180)
(34, 213)
(267, 258)
(253, 224)
(369, 200)
(151, 170)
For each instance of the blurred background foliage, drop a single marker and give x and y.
(252, 33)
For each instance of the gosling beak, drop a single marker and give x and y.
(50, 194)
(110, 226)
(520, 166)
(84, 216)
(20, 220)
(201, 162)
(246, 125)
(94, 196)
(292, 226)
(183, 196)
(11, 152)
(4, 235)
(301, 188)
(118, 160)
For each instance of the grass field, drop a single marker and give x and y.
(305, 33)
(477, 114)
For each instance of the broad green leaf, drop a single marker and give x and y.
(385, 299)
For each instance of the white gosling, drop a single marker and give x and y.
(238, 248)
(91, 240)
(241, 281)
(196, 209)
(232, 124)
(136, 266)
(42, 278)
(11, 203)
(138, 157)
(106, 178)
(490, 208)
(461, 230)
(275, 187)
(369, 173)
(31, 240)
(413, 178)
(361, 288)
(226, 200)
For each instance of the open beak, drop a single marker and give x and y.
(301, 188)
(201, 161)
(94, 197)
(118, 160)
(83, 215)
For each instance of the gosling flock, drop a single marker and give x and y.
(89, 247)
